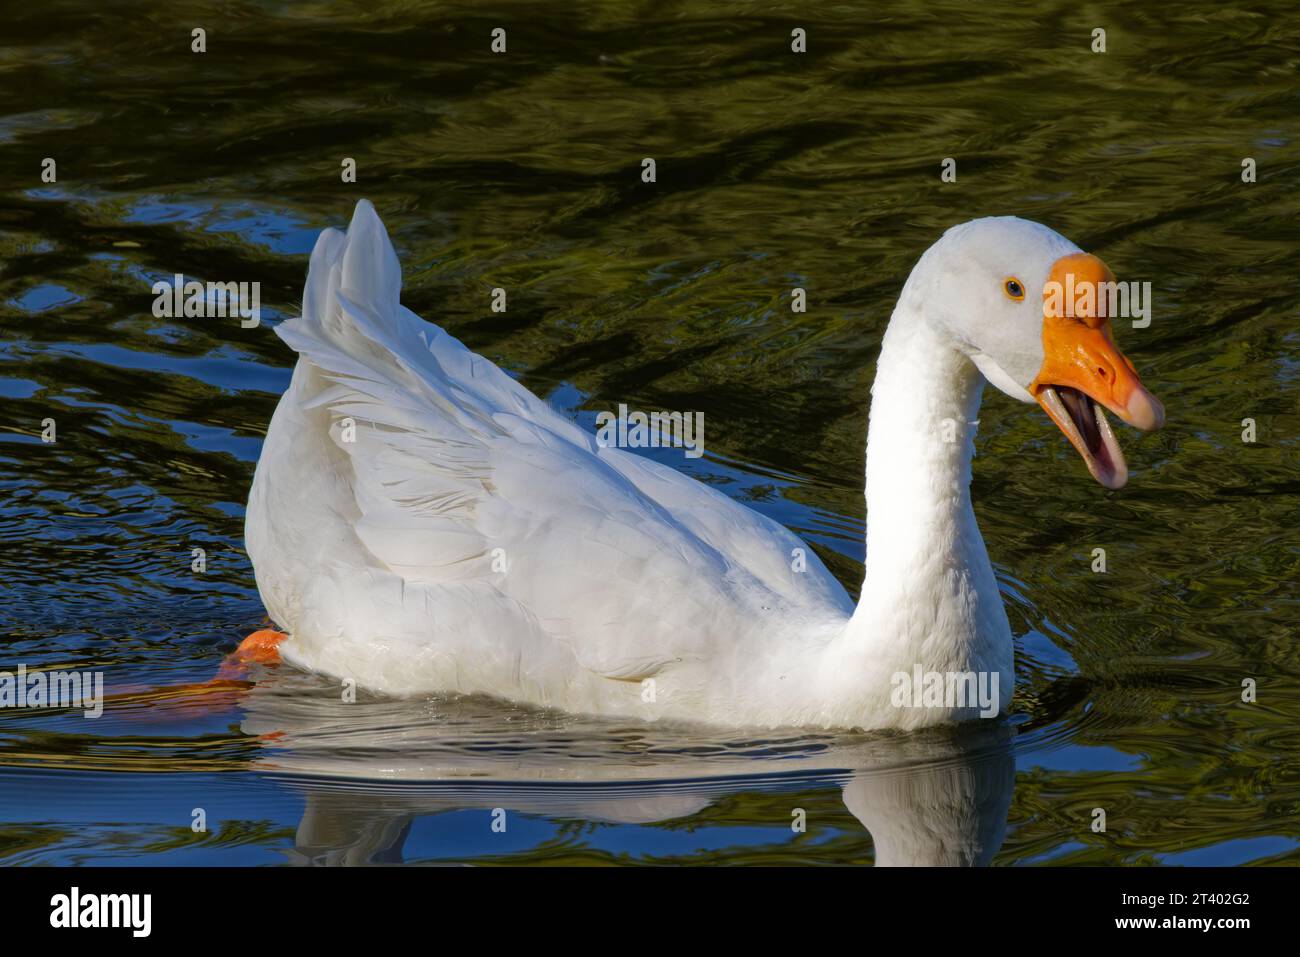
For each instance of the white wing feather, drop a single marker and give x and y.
(402, 473)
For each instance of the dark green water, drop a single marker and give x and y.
(775, 170)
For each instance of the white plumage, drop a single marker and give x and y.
(420, 522)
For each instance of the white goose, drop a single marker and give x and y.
(419, 522)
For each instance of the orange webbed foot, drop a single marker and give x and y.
(262, 647)
(221, 692)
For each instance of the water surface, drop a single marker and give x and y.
(775, 170)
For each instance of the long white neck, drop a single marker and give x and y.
(930, 597)
(920, 442)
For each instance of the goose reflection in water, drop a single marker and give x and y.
(368, 770)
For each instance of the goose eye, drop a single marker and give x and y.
(1013, 289)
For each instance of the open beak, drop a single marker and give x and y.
(1084, 372)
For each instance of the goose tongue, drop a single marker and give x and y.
(1086, 426)
(1080, 408)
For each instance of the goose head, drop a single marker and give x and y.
(1009, 294)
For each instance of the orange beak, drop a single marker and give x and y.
(1083, 370)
